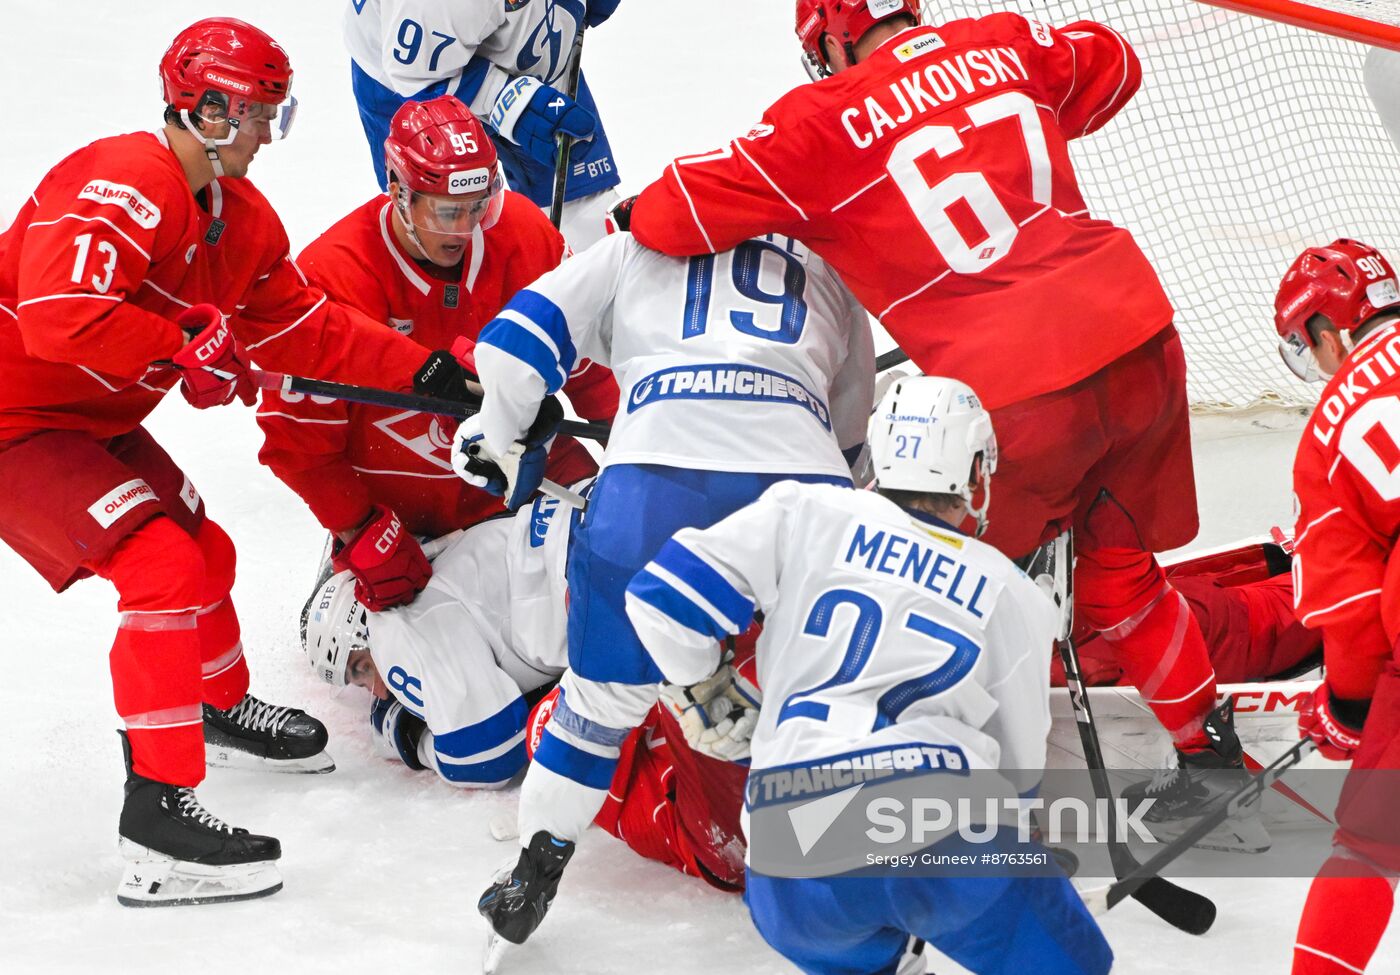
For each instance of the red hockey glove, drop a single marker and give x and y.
(389, 566)
(212, 367)
(1333, 723)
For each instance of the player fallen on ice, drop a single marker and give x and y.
(1338, 320)
(862, 652)
(946, 199)
(509, 63)
(140, 263)
(434, 259)
(738, 370)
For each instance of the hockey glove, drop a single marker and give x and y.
(213, 369)
(532, 115)
(516, 476)
(718, 715)
(388, 564)
(599, 11)
(397, 732)
(619, 216)
(444, 377)
(1333, 723)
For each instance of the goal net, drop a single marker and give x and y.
(1249, 141)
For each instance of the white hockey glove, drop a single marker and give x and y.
(717, 715)
(516, 474)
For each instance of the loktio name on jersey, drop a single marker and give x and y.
(889, 553)
(143, 211)
(808, 781)
(947, 80)
(727, 382)
(1364, 371)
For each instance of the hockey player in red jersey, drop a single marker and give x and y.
(1338, 318)
(931, 169)
(140, 263)
(434, 259)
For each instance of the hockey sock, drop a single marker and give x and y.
(1343, 920)
(565, 785)
(158, 572)
(1157, 639)
(222, 664)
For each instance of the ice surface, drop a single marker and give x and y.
(383, 866)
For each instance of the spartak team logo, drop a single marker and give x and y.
(433, 444)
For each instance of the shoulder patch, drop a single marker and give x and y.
(1040, 32)
(920, 45)
(145, 213)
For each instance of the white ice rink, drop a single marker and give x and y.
(383, 866)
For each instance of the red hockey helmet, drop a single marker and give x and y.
(845, 20)
(445, 166)
(223, 69)
(1346, 282)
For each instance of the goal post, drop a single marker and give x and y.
(1249, 141)
(1375, 22)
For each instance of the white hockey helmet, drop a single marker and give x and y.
(335, 625)
(925, 435)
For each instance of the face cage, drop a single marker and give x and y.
(216, 107)
(438, 214)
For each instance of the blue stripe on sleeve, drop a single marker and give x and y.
(585, 768)
(473, 76)
(665, 599)
(547, 315)
(494, 772)
(510, 338)
(501, 727)
(695, 572)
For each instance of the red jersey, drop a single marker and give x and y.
(107, 252)
(1346, 481)
(340, 457)
(935, 177)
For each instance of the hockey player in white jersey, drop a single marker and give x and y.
(507, 60)
(450, 671)
(862, 594)
(737, 370)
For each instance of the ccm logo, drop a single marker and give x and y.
(386, 542)
(117, 502)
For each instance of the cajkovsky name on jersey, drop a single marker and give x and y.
(928, 88)
(918, 565)
(1368, 366)
(727, 382)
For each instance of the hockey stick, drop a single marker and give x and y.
(371, 396)
(1179, 907)
(564, 145)
(1101, 899)
(890, 359)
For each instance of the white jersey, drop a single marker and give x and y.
(488, 627)
(757, 360)
(407, 45)
(881, 627)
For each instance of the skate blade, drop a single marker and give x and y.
(1244, 835)
(496, 948)
(221, 756)
(152, 880)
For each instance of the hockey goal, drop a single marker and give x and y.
(1250, 140)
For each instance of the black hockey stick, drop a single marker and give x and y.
(564, 146)
(890, 359)
(1106, 898)
(370, 396)
(1179, 907)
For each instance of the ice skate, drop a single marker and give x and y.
(178, 853)
(1196, 783)
(517, 902)
(255, 735)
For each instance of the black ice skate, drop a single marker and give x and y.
(256, 735)
(518, 901)
(1197, 783)
(176, 852)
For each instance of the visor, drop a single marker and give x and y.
(457, 213)
(1299, 358)
(255, 118)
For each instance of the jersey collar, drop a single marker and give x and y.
(476, 253)
(932, 521)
